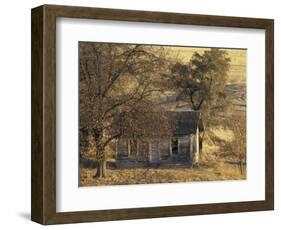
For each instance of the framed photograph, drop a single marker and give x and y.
(141, 114)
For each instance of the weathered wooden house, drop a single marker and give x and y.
(180, 147)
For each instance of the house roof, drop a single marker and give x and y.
(184, 122)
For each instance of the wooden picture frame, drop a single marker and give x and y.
(43, 189)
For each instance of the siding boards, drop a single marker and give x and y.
(164, 149)
(154, 151)
(122, 148)
(184, 148)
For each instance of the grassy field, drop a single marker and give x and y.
(212, 166)
(219, 171)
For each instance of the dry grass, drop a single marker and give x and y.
(212, 167)
(161, 175)
(232, 171)
(222, 134)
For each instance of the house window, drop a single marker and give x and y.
(175, 145)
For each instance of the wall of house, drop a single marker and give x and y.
(196, 147)
(165, 148)
(184, 150)
(158, 150)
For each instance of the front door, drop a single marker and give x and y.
(175, 146)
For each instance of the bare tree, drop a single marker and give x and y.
(117, 84)
(238, 145)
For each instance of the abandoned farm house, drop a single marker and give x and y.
(182, 147)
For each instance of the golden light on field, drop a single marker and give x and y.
(158, 114)
(237, 72)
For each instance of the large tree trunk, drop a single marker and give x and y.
(101, 163)
(101, 169)
(104, 172)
